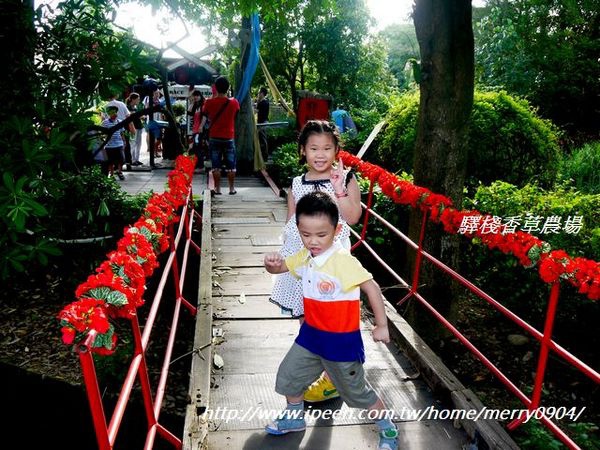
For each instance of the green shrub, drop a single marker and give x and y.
(89, 204)
(582, 167)
(506, 141)
(397, 146)
(286, 164)
(504, 200)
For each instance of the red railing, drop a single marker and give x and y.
(547, 344)
(106, 434)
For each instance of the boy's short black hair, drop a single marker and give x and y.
(263, 91)
(111, 108)
(316, 204)
(222, 85)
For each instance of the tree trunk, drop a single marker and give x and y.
(244, 124)
(445, 36)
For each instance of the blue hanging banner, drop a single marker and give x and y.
(252, 59)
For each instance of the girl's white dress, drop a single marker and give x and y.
(287, 290)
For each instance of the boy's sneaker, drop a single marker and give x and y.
(321, 390)
(388, 439)
(282, 426)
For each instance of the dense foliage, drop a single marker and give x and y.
(506, 140)
(582, 168)
(75, 58)
(402, 48)
(286, 164)
(325, 47)
(506, 200)
(546, 50)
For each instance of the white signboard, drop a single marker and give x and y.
(181, 93)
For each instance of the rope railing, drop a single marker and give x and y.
(406, 193)
(116, 291)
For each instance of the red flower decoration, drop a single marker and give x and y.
(117, 288)
(582, 273)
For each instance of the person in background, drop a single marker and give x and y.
(114, 147)
(135, 141)
(330, 337)
(152, 126)
(196, 103)
(221, 112)
(343, 121)
(262, 116)
(122, 114)
(262, 106)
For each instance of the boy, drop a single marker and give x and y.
(329, 338)
(114, 147)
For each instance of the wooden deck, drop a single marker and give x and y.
(251, 336)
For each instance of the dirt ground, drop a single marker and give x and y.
(30, 339)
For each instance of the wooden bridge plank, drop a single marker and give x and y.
(262, 348)
(412, 436)
(195, 430)
(239, 220)
(256, 307)
(240, 259)
(256, 337)
(236, 231)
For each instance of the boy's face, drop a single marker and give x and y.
(317, 233)
(112, 113)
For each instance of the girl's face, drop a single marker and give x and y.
(320, 152)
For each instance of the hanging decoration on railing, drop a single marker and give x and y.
(553, 265)
(117, 288)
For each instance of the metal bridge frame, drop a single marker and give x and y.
(547, 344)
(107, 435)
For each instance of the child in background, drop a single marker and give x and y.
(115, 146)
(329, 339)
(318, 147)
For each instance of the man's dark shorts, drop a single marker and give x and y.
(222, 154)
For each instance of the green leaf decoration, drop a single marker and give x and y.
(112, 297)
(105, 339)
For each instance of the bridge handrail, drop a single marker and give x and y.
(116, 292)
(377, 175)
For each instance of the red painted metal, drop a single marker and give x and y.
(363, 232)
(106, 435)
(93, 390)
(545, 337)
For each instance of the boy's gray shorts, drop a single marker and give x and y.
(301, 367)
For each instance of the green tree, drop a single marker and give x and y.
(344, 60)
(402, 46)
(546, 50)
(58, 57)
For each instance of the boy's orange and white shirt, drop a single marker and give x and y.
(331, 288)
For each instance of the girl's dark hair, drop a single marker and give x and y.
(316, 127)
(132, 97)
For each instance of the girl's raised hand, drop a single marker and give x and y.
(337, 176)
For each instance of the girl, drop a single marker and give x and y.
(135, 140)
(318, 146)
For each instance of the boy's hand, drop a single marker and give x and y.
(381, 334)
(273, 261)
